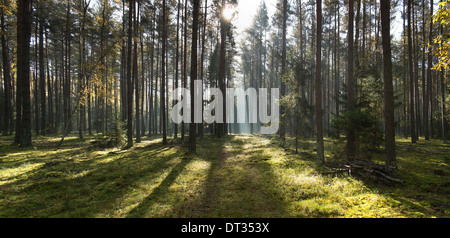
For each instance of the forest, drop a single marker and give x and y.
(358, 91)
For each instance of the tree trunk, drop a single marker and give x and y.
(283, 71)
(424, 91)
(411, 78)
(67, 78)
(129, 77)
(319, 112)
(42, 69)
(7, 113)
(184, 60)
(152, 62)
(177, 59)
(222, 68)
(427, 100)
(351, 102)
(135, 74)
(205, 22)
(23, 102)
(36, 95)
(163, 73)
(416, 71)
(443, 89)
(49, 87)
(123, 71)
(193, 125)
(388, 86)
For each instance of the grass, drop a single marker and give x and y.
(234, 177)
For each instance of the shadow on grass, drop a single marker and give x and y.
(240, 179)
(89, 186)
(238, 183)
(142, 209)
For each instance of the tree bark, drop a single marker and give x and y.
(163, 73)
(205, 22)
(283, 71)
(319, 111)
(177, 59)
(427, 101)
(23, 102)
(443, 110)
(7, 113)
(351, 101)
(135, 74)
(42, 69)
(184, 60)
(193, 125)
(388, 86)
(411, 78)
(129, 77)
(222, 68)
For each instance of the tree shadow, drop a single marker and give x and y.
(142, 209)
(238, 183)
(86, 187)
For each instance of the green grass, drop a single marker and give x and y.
(234, 177)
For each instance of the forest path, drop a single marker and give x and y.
(238, 182)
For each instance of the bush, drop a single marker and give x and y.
(368, 131)
(114, 138)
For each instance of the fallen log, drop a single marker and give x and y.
(366, 169)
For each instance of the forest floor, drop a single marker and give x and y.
(238, 176)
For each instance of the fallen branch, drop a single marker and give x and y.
(367, 169)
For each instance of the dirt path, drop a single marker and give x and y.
(238, 183)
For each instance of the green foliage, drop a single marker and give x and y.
(364, 123)
(114, 138)
(296, 102)
(442, 41)
(365, 118)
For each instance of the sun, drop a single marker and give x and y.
(229, 12)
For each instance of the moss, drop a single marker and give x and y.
(235, 176)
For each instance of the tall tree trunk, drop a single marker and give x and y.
(152, 62)
(49, 87)
(283, 71)
(156, 89)
(184, 60)
(202, 59)
(135, 74)
(319, 112)
(424, 88)
(411, 78)
(81, 76)
(388, 86)
(129, 77)
(351, 97)
(443, 89)
(7, 113)
(143, 79)
(416, 70)
(427, 101)
(56, 86)
(42, 69)
(67, 78)
(23, 101)
(123, 71)
(222, 67)
(193, 125)
(177, 59)
(36, 95)
(163, 73)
